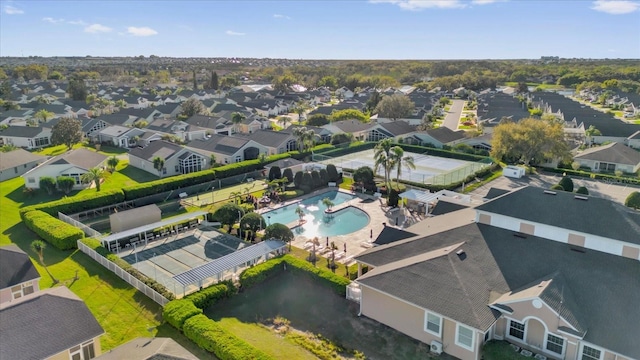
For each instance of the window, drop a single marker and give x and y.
(21, 290)
(516, 329)
(555, 344)
(464, 337)
(31, 180)
(85, 351)
(432, 324)
(15, 169)
(589, 353)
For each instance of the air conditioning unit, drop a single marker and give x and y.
(436, 347)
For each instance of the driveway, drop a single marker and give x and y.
(452, 118)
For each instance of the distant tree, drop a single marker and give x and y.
(288, 173)
(252, 222)
(328, 203)
(77, 89)
(192, 107)
(582, 190)
(48, 184)
(328, 81)
(43, 115)
(304, 137)
(55, 75)
(566, 183)
(95, 175)
(195, 81)
(229, 81)
(284, 120)
(67, 131)
(5, 91)
(349, 114)
(300, 212)
(65, 184)
(395, 107)
(332, 173)
(213, 81)
(237, 118)
(522, 87)
(372, 102)
(120, 103)
(158, 164)
(529, 141)
(633, 200)
(228, 214)
(590, 132)
(212, 159)
(38, 246)
(444, 101)
(112, 163)
(279, 232)
(275, 173)
(317, 120)
(300, 109)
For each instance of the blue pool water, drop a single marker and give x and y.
(341, 222)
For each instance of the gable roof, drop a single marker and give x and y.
(390, 234)
(612, 153)
(162, 149)
(269, 138)
(27, 329)
(15, 267)
(562, 209)
(399, 127)
(22, 131)
(445, 135)
(350, 126)
(495, 192)
(221, 144)
(82, 158)
(18, 157)
(445, 207)
(144, 348)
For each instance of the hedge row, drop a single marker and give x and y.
(75, 204)
(442, 153)
(210, 336)
(104, 252)
(178, 311)
(209, 296)
(592, 175)
(265, 270)
(56, 232)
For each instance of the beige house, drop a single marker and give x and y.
(610, 158)
(18, 276)
(73, 164)
(524, 274)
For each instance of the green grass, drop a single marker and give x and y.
(124, 175)
(123, 312)
(500, 350)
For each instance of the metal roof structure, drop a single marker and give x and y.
(143, 229)
(219, 265)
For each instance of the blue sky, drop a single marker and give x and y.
(326, 29)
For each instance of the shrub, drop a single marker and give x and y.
(176, 312)
(582, 190)
(324, 177)
(48, 184)
(393, 197)
(291, 194)
(557, 187)
(65, 183)
(275, 173)
(307, 182)
(633, 200)
(75, 204)
(210, 336)
(261, 272)
(56, 232)
(315, 178)
(288, 173)
(297, 179)
(332, 173)
(566, 183)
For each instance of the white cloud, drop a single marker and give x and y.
(423, 4)
(233, 33)
(76, 22)
(616, 7)
(280, 16)
(52, 20)
(141, 31)
(485, 2)
(97, 28)
(12, 10)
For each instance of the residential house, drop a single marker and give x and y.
(633, 141)
(170, 110)
(18, 276)
(16, 117)
(28, 137)
(359, 129)
(610, 158)
(322, 134)
(227, 149)
(181, 129)
(394, 130)
(177, 159)
(118, 119)
(344, 93)
(144, 348)
(73, 163)
(217, 125)
(117, 135)
(90, 126)
(49, 324)
(274, 142)
(525, 274)
(17, 162)
(146, 114)
(438, 137)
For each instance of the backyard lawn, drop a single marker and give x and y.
(311, 307)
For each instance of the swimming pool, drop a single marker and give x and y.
(341, 222)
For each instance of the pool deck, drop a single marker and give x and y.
(360, 240)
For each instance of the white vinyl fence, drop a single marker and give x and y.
(132, 280)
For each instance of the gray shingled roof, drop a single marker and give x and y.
(595, 216)
(18, 157)
(82, 158)
(350, 126)
(390, 234)
(612, 153)
(398, 127)
(144, 348)
(269, 138)
(45, 323)
(163, 149)
(497, 261)
(445, 207)
(222, 144)
(15, 267)
(445, 135)
(22, 131)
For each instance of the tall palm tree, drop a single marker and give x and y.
(112, 162)
(38, 246)
(382, 157)
(158, 164)
(235, 195)
(236, 119)
(398, 159)
(284, 120)
(95, 175)
(43, 115)
(304, 137)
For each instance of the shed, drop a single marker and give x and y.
(134, 218)
(513, 172)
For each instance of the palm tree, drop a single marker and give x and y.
(300, 109)
(382, 157)
(398, 159)
(304, 137)
(38, 246)
(43, 115)
(328, 203)
(95, 175)
(591, 132)
(158, 164)
(212, 159)
(284, 120)
(112, 162)
(235, 195)
(300, 213)
(236, 119)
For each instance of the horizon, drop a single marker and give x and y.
(312, 30)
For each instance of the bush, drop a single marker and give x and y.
(332, 173)
(307, 182)
(261, 272)
(394, 198)
(557, 187)
(176, 312)
(633, 200)
(297, 179)
(275, 173)
(75, 204)
(211, 295)
(48, 184)
(315, 178)
(65, 184)
(210, 336)
(287, 195)
(566, 183)
(288, 173)
(56, 232)
(582, 190)
(324, 177)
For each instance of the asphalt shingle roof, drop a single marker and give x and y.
(15, 267)
(269, 138)
(445, 135)
(22, 131)
(398, 127)
(350, 126)
(162, 149)
(82, 158)
(18, 157)
(445, 207)
(223, 144)
(612, 153)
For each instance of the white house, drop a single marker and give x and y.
(72, 164)
(28, 137)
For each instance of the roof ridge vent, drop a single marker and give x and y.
(549, 192)
(578, 197)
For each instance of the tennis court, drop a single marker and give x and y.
(163, 259)
(428, 169)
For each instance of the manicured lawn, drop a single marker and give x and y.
(311, 307)
(500, 350)
(124, 175)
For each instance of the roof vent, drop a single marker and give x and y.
(578, 249)
(461, 254)
(520, 235)
(578, 197)
(549, 192)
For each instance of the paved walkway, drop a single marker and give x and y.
(452, 118)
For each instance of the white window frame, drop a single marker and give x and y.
(426, 323)
(18, 293)
(546, 342)
(79, 350)
(508, 332)
(582, 346)
(473, 337)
